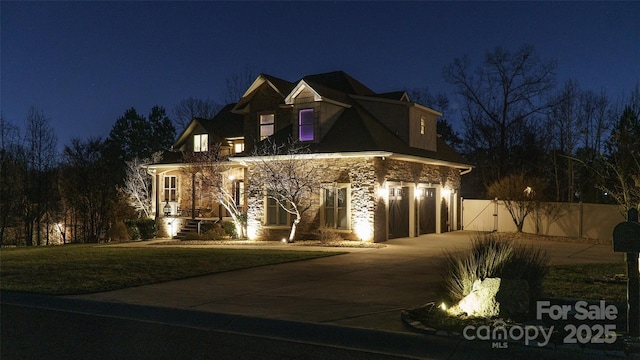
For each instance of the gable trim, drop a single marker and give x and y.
(300, 87)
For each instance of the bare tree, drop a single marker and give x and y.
(88, 188)
(137, 184)
(39, 185)
(501, 99)
(521, 195)
(621, 174)
(577, 125)
(12, 165)
(192, 107)
(237, 84)
(208, 168)
(287, 178)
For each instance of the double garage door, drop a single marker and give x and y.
(399, 204)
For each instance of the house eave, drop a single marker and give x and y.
(313, 156)
(430, 161)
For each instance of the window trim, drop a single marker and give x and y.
(170, 190)
(262, 125)
(347, 206)
(279, 211)
(302, 126)
(203, 144)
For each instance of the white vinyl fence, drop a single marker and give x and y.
(592, 221)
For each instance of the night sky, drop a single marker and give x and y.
(85, 63)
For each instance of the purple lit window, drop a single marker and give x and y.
(305, 124)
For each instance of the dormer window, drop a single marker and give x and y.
(422, 125)
(306, 125)
(267, 122)
(200, 142)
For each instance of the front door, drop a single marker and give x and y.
(398, 212)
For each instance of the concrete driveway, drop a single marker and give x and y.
(365, 288)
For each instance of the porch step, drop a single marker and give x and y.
(191, 227)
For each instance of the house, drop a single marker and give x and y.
(385, 170)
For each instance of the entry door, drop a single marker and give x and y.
(428, 211)
(398, 212)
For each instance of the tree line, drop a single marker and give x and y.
(517, 124)
(576, 144)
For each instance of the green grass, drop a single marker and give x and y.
(80, 269)
(586, 281)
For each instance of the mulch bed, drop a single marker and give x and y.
(345, 243)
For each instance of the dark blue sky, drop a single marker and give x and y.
(85, 63)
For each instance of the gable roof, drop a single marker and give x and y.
(223, 126)
(356, 130)
(340, 81)
(283, 87)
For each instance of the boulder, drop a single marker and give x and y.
(493, 297)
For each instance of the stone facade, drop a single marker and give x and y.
(367, 178)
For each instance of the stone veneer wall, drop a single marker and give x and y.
(366, 176)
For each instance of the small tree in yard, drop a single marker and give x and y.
(287, 178)
(208, 168)
(137, 184)
(521, 195)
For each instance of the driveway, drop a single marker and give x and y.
(364, 288)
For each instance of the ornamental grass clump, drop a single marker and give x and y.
(490, 257)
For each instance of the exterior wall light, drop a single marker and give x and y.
(167, 209)
(445, 193)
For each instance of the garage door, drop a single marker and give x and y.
(427, 211)
(398, 212)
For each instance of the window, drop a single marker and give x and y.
(170, 187)
(276, 215)
(422, 125)
(200, 142)
(335, 208)
(306, 125)
(267, 122)
(238, 147)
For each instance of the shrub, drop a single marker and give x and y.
(147, 228)
(132, 229)
(141, 229)
(230, 229)
(215, 233)
(328, 235)
(491, 256)
(208, 231)
(119, 232)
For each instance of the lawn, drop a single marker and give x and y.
(80, 269)
(587, 281)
